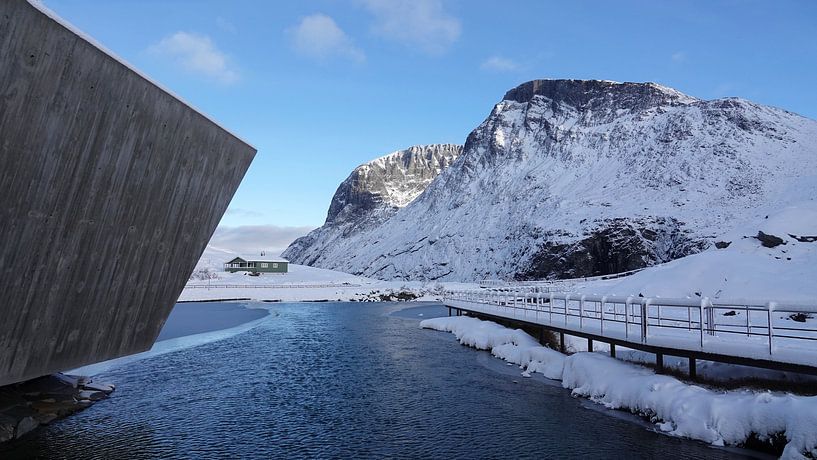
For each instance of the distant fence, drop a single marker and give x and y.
(560, 283)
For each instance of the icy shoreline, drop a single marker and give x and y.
(677, 408)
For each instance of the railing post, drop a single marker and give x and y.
(770, 309)
(550, 309)
(645, 312)
(567, 306)
(627, 316)
(748, 326)
(603, 300)
(581, 311)
(701, 319)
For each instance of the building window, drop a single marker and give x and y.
(274, 265)
(264, 265)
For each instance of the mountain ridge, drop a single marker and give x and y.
(584, 178)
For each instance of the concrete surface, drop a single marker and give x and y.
(110, 189)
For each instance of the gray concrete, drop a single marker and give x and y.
(110, 189)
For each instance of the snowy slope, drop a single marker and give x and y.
(744, 269)
(573, 178)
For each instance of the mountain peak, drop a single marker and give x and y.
(583, 94)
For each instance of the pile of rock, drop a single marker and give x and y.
(27, 405)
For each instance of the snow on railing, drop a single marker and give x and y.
(752, 329)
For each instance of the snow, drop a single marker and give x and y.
(743, 270)
(39, 5)
(677, 408)
(540, 172)
(301, 283)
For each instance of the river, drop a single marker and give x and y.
(343, 380)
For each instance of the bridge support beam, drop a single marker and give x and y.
(449, 311)
(562, 346)
(693, 371)
(541, 336)
(612, 350)
(590, 345)
(659, 363)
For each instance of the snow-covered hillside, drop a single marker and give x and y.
(746, 268)
(372, 194)
(571, 178)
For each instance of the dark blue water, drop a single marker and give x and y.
(341, 380)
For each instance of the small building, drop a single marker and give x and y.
(257, 264)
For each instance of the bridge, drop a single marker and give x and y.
(771, 334)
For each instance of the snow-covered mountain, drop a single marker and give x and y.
(372, 194)
(571, 178)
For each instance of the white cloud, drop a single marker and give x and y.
(319, 37)
(197, 54)
(241, 212)
(421, 24)
(499, 64)
(679, 56)
(252, 239)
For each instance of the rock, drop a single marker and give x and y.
(800, 317)
(45, 419)
(7, 425)
(617, 245)
(25, 426)
(103, 387)
(769, 241)
(92, 395)
(722, 244)
(40, 401)
(71, 380)
(804, 239)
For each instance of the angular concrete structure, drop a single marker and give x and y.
(110, 188)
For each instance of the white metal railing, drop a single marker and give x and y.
(735, 327)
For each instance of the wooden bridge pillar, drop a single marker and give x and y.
(659, 363)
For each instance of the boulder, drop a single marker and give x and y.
(769, 241)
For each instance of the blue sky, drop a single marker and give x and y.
(322, 86)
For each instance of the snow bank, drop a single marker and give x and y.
(679, 409)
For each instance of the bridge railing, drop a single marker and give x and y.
(700, 323)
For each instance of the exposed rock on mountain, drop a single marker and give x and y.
(571, 178)
(373, 193)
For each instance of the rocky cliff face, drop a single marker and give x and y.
(573, 178)
(374, 192)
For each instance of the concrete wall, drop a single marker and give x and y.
(110, 189)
